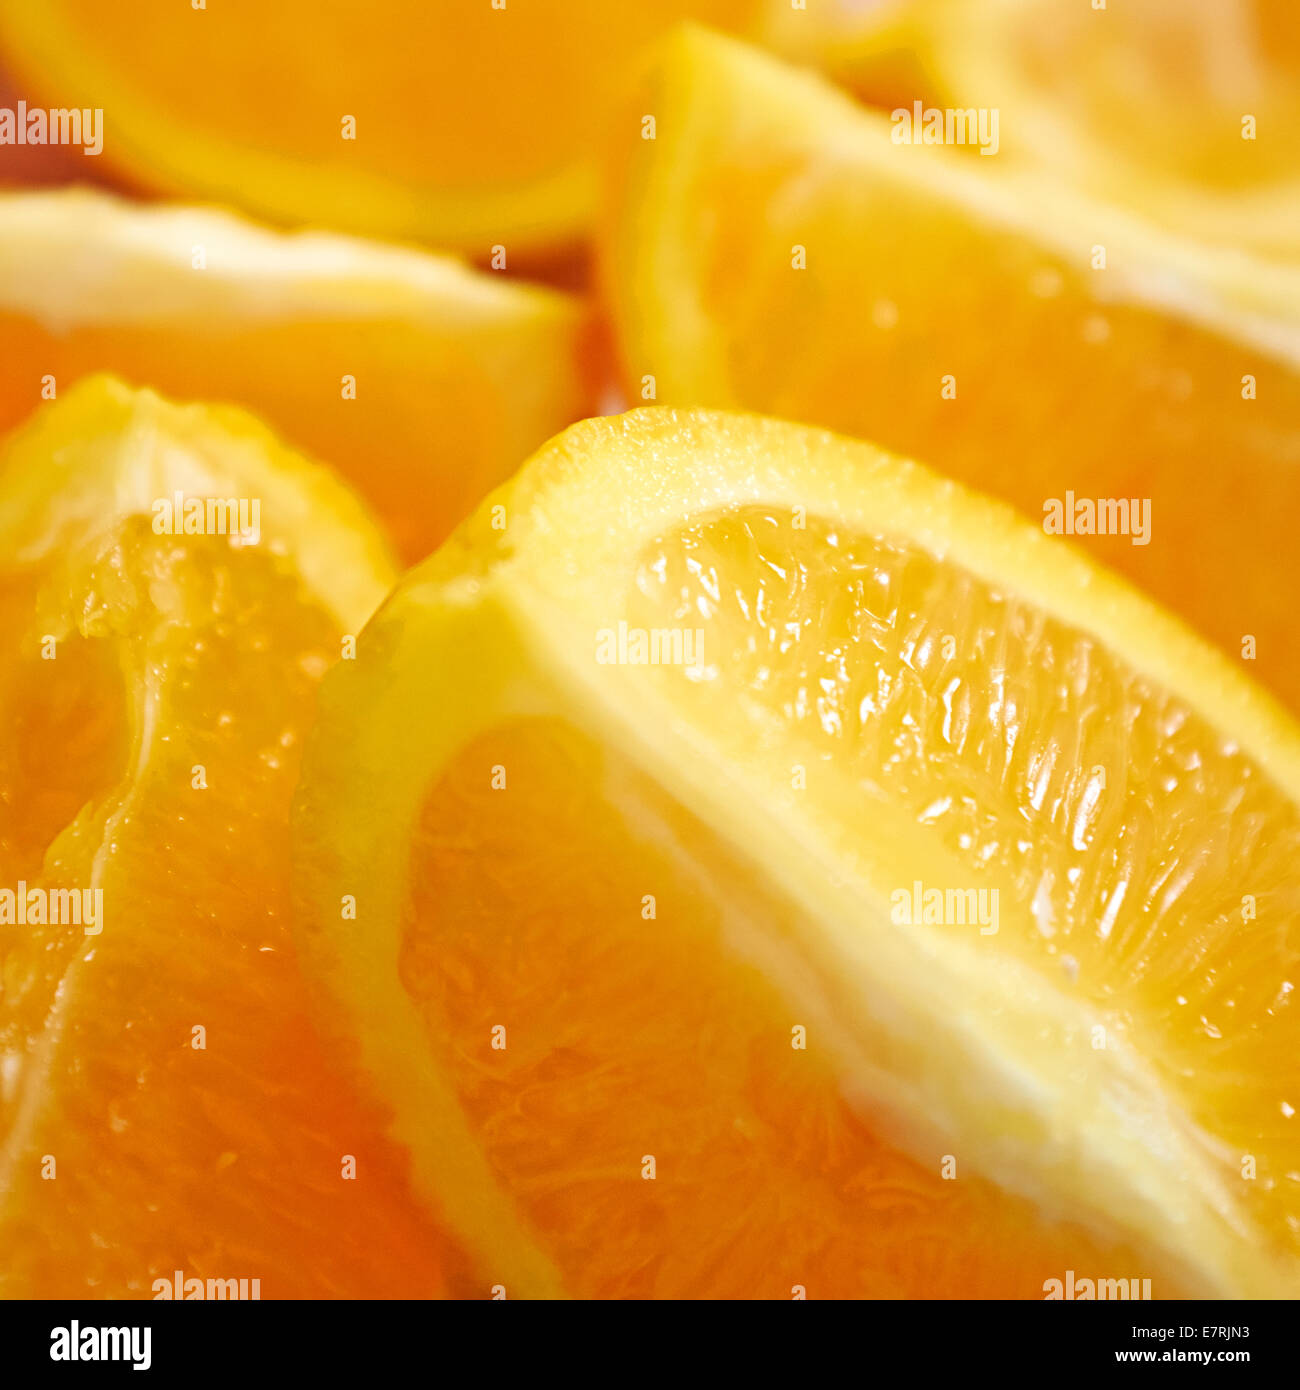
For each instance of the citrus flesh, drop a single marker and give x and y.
(423, 381)
(1184, 107)
(773, 249)
(165, 1104)
(472, 125)
(630, 948)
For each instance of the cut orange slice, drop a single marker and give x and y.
(751, 866)
(1187, 108)
(165, 1107)
(466, 125)
(775, 250)
(422, 380)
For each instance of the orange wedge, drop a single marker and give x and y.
(165, 1105)
(468, 125)
(1187, 108)
(774, 249)
(423, 381)
(618, 847)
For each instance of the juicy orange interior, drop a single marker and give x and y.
(1112, 820)
(1138, 403)
(67, 735)
(629, 1039)
(1152, 863)
(227, 1161)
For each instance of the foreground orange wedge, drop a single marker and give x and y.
(1187, 108)
(619, 845)
(467, 124)
(774, 249)
(424, 381)
(164, 1103)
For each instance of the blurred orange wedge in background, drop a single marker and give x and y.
(423, 381)
(616, 850)
(773, 249)
(1186, 108)
(164, 1103)
(467, 125)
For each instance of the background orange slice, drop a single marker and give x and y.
(1184, 108)
(475, 124)
(423, 381)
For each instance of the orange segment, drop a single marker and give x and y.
(1187, 108)
(474, 124)
(768, 1179)
(164, 1102)
(646, 956)
(775, 250)
(423, 381)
